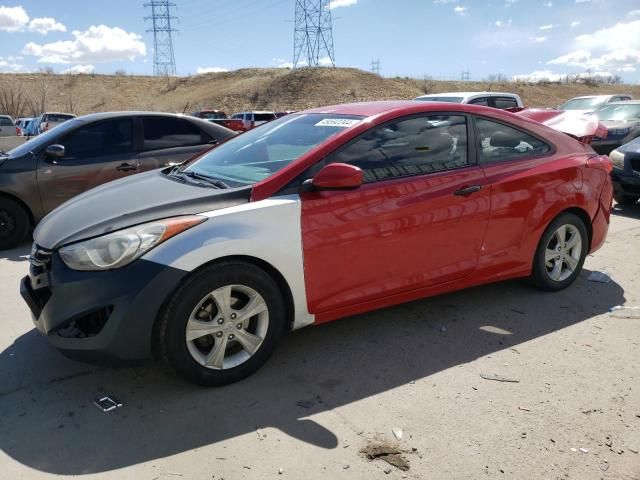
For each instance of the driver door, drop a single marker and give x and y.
(94, 154)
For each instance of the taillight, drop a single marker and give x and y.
(46, 126)
(601, 162)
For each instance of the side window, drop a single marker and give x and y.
(168, 132)
(408, 147)
(110, 137)
(500, 143)
(505, 102)
(484, 101)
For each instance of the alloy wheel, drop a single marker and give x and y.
(562, 255)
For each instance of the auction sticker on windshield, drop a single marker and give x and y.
(337, 122)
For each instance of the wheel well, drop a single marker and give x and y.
(21, 203)
(584, 216)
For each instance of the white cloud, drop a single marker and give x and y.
(500, 23)
(8, 66)
(77, 69)
(13, 19)
(95, 45)
(546, 27)
(45, 25)
(609, 38)
(460, 10)
(508, 3)
(341, 3)
(202, 70)
(575, 23)
(549, 4)
(282, 63)
(583, 1)
(633, 13)
(445, 1)
(538, 39)
(549, 76)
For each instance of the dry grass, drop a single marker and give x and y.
(273, 89)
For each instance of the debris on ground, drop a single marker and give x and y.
(633, 450)
(280, 471)
(305, 404)
(584, 450)
(390, 454)
(107, 403)
(499, 378)
(622, 311)
(524, 409)
(600, 277)
(397, 432)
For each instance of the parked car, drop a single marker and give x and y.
(50, 120)
(622, 120)
(254, 119)
(220, 118)
(589, 103)
(30, 127)
(313, 217)
(85, 152)
(626, 172)
(499, 100)
(7, 126)
(210, 114)
(20, 123)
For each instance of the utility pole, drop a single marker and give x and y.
(465, 76)
(313, 34)
(164, 61)
(375, 66)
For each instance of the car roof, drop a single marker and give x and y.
(106, 115)
(625, 102)
(370, 109)
(468, 94)
(600, 96)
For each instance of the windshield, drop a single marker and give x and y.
(441, 99)
(42, 140)
(264, 117)
(212, 115)
(258, 154)
(619, 112)
(587, 103)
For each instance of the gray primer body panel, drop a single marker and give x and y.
(268, 230)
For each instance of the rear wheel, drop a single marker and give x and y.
(560, 253)
(14, 223)
(222, 324)
(624, 199)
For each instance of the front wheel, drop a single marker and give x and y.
(222, 324)
(560, 253)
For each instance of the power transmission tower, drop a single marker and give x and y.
(313, 36)
(164, 61)
(375, 66)
(465, 76)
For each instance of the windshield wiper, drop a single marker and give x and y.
(216, 182)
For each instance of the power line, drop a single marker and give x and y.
(313, 34)
(164, 61)
(465, 76)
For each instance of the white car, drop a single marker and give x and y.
(254, 119)
(49, 120)
(499, 100)
(590, 103)
(7, 126)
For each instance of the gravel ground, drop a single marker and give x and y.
(412, 371)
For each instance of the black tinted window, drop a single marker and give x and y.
(480, 101)
(110, 137)
(56, 117)
(167, 132)
(409, 147)
(5, 122)
(264, 117)
(499, 142)
(505, 102)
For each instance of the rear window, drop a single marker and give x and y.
(5, 122)
(264, 117)
(57, 117)
(212, 115)
(505, 102)
(441, 99)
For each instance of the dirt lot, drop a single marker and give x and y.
(257, 88)
(331, 391)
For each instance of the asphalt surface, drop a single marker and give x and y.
(333, 390)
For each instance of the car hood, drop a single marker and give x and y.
(631, 147)
(617, 124)
(581, 127)
(130, 201)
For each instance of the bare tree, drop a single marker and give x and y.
(13, 100)
(70, 97)
(37, 100)
(428, 84)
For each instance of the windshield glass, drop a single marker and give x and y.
(588, 103)
(36, 143)
(258, 154)
(441, 99)
(619, 112)
(264, 117)
(212, 115)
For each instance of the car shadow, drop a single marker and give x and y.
(629, 211)
(17, 254)
(49, 423)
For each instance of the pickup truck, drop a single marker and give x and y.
(220, 118)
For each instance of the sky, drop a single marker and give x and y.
(530, 39)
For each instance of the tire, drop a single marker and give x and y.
(624, 199)
(194, 310)
(14, 223)
(555, 269)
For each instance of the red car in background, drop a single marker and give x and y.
(313, 217)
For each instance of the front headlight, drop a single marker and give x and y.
(617, 158)
(120, 248)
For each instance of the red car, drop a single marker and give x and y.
(313, 217)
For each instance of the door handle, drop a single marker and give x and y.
(126, 167)
(466, 191)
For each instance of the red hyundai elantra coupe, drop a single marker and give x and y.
(315, 216)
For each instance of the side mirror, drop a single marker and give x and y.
(54, 151)
(336, 176)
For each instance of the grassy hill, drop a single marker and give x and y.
(272, 89)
